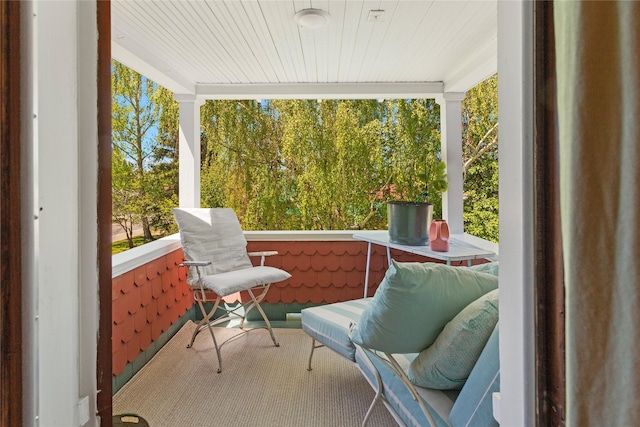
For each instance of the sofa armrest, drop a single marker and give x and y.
(474, 406)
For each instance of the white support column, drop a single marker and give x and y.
(451, 134)
(517, 254)
(189, 150)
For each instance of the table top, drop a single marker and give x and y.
(458, 251)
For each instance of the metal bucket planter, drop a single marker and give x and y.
(409, 222)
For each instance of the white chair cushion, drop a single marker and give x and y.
(212, 235)
(240, 280)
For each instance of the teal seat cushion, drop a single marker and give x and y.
(330, 324)
(398, 397)
(447, 363)
(414, 302)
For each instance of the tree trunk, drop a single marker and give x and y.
(147, 231)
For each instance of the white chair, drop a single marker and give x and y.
(215, 252)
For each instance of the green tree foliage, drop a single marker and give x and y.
(306, 164)
(142, 177)
(480, 157)
(163, 168)
(299, 164)
(124, 192)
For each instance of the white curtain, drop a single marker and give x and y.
(598, 70)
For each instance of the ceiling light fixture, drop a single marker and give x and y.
(312, 18)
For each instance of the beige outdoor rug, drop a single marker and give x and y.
(260, 385)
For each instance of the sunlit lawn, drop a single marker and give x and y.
(123, 245)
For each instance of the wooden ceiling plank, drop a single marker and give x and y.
(286, 33)
(141, 26)
(229, 39)
(362, 41)
(374, 62)
(403, 20)
(430, 35)
(278, 38)
(265, 49)
(349, 40)
(249, 41)
(308, 43)
(196, 38)
(336, 12)
(470, 42)
(321, 43)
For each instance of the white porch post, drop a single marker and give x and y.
(451, 134)
(189, 150)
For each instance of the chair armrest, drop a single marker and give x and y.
(194, 263)
(263, 253)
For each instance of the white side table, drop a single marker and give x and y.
(458, 251)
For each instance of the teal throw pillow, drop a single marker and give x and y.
(447, 363)
(487, 267)
(414, 302)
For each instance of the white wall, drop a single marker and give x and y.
(88, 287)
(60, 216)
(515, 85)
(27, 180)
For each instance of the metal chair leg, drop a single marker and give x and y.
(256, 304)
(313, 347)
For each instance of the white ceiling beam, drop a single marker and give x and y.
(321, 91)
(473, 69)
(167, 78)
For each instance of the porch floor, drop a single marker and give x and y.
(260, 384)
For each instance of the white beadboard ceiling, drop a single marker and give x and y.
(254, 48)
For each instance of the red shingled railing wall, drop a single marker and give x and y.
(325, 272)
(146, 301)
(149, 299)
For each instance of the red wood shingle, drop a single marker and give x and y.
(170, 297)
(140, 275)
(152, 311)
(116, 339)
(156, 330)
(145, 338)
(347, 262)
(146, 295)
(289, 263)
(124, 282)
(323, 248)
(156, 287)
(339, 279)
(119, 311)
(127, 330)
(133, 348)
(140, 320)
(119, 360)
(162, 304)
(332, 262)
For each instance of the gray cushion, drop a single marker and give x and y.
(414, 302)
(447, 363)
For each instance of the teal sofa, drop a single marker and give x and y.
(427, 342)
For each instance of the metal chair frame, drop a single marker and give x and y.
(391, 363)
(202, 295)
